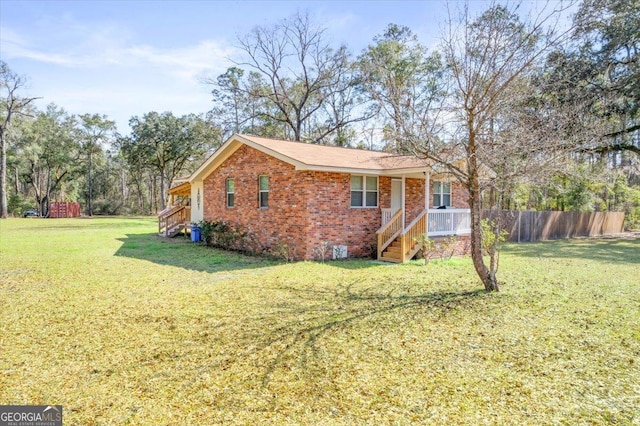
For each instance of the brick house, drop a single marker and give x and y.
(358, 202)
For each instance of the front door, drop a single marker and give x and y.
(396, 195)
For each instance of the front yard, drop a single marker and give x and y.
(122, 327)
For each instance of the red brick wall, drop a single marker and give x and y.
(305, 209)
(413, 199)
(285, 220)
(333, 219)
(384, 188)
(459, 196)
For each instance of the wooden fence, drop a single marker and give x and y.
(529, 226)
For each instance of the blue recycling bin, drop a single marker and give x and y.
(195, 233)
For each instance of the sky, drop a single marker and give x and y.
(125, 58)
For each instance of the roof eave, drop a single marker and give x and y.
(365, 171)
(236, 141)
(228, 148)
(221, 154)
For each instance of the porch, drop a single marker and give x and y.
(176, 217)
(399, 244)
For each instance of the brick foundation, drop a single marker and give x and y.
(462, 247)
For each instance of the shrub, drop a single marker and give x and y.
(222, 235)
(285, 250)
(16, 205)
(323, 251)
(427, 246)
(430, 249)
(448, 247)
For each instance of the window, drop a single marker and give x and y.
(263, 191)
(364, 191)
(231, 192)
(441, 194)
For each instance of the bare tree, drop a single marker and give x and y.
(298, 80)
(482, 132)
(10, 104)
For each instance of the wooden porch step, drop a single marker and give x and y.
(175, 230)
(391, 235)
(393, 252)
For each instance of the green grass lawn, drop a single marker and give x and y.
(122, 327)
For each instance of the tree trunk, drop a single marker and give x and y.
(90, 189)
(473, 185)
(17, 181)
(3, 176)
(163, 203)
(44, 206)
(124, 190)
(140, 197)
(490, 283)
(154, 195)
(47, 197)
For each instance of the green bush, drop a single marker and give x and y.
(224, 236)
(17, 205)
(632, 219)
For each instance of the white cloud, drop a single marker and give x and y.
(187, 63)
(102, 70)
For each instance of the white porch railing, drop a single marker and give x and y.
(387, 214)
(449, 222)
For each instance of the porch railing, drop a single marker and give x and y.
(389, 232)
(387, 214)
(449, 222)
(172, 217)
(410, 235)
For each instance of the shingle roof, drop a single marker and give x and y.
(306, 156)
(313, 155)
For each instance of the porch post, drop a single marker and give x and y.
(404, 207)
(427, 184)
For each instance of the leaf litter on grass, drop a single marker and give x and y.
(126, 330)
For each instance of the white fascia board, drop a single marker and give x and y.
(236, 141)
(357, 171)
(220, 155)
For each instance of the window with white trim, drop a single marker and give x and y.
(263, 191)
(364, 191)
(231, 192)
(441, 194)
